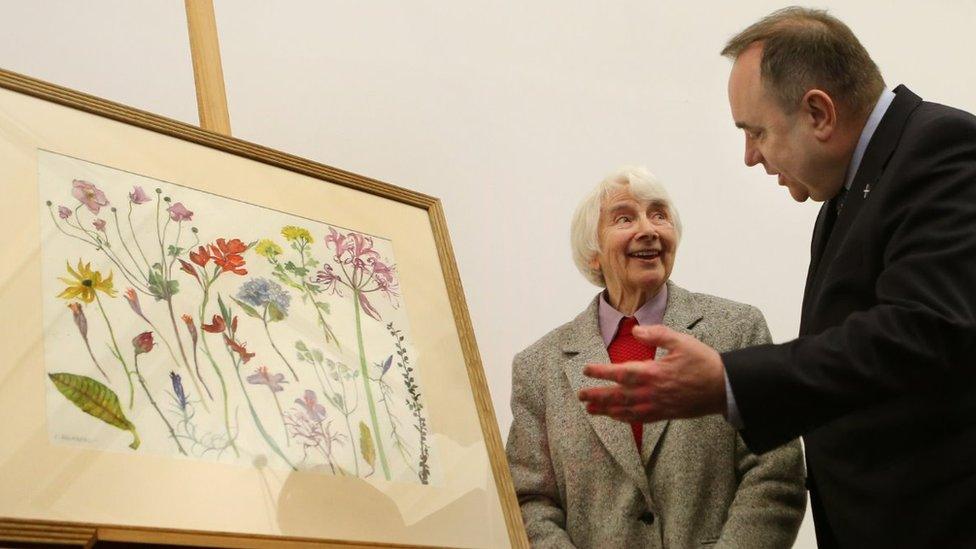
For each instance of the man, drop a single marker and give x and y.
(881, 381)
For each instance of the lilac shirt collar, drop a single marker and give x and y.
(874, 119)
(651, 312)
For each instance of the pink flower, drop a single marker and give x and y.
(330, 279)
(89, 195)
(138, 196)
(261, 376)
(368, 307)
(143, 343)
(363, 247)
(190, 327)
(133, 299)
(80, 321)
(315, 411)
(178, 212)
(339, 242)
(63, 212)
(99, 224)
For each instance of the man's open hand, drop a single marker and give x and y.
(689, 381)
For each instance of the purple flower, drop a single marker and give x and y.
(261, 376)
(99, 224)
(89, 195)
(315, 411)
(64, 212)
(138, 196)
(178, 391)
(178, 212)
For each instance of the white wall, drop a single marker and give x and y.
(509, 112)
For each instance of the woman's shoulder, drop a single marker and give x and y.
(714, 306)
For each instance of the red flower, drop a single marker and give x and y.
(217, 327)
(200, 257)
(187, 268)
(227, 255)
(239, 348)
(143, 343)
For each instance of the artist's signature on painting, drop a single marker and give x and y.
(75, 438)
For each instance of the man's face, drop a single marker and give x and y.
(782, 143)
(637, 245)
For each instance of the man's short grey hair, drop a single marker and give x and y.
(584, 231)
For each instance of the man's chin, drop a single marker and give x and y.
(799, 193)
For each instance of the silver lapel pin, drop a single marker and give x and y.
(867, 189)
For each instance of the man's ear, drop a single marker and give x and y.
(821, 112)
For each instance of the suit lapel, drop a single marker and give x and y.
(583, 345)
(827, 240)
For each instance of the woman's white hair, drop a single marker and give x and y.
(584, 231)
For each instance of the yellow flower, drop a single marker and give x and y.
(267, 248)
(85, 282)
(294, 233)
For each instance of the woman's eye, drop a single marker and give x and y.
(622, 219)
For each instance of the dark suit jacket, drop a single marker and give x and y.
(882, 380)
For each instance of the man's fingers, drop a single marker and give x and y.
(657, 335)
(618, 395)
(631, 374)
(640, 413)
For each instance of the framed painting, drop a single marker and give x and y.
(208, 342)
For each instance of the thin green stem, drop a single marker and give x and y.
(142, 381)
(264, 320)
(369, 392)
(284, 423)
(220, 376)
(254, 415)
(136, 239)
(118, 353)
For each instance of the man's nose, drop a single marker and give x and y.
(752, 155)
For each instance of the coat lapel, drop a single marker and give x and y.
(876, 156)
(582, 344)
(681, 315)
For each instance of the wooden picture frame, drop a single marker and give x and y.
(89, 455)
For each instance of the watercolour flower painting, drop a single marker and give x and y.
(221, 331)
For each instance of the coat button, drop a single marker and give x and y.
(647, 518)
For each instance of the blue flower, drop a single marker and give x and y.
(178, 392)
(261, 291)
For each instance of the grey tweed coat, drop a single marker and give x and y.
(581, 482)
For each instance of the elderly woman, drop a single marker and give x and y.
(590, 481)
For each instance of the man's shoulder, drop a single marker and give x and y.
(941, 121)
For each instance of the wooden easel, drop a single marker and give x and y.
(208, 74)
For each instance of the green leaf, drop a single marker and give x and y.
(160, 288)
(300, 345)
(324, 306)
(274, 313)
(366, 445)
(174, 251)
(251, 311)
(224, 311)
(317, 355)
(95, 399)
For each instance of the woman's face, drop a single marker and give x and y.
(637, 246)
